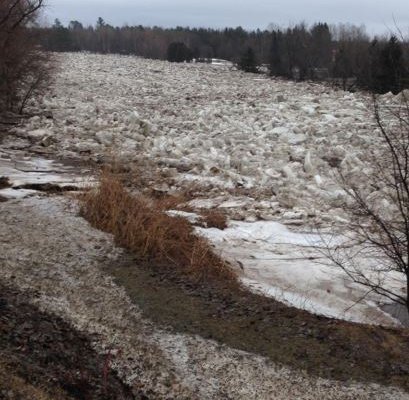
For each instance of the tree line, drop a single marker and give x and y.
(344, 54)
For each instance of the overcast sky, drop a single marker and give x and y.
(377, 15)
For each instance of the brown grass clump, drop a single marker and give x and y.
(172, 202)
(141, 225)
(214, 219)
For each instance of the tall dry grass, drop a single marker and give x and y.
(142, 226)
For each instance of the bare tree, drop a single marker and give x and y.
(373, 249)
(24, 68)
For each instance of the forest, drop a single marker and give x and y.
(343, 54)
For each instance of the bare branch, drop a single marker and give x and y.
(376, 246)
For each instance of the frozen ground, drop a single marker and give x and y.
(25, 173)
(261, 150)
(60, 271)
(292, 267)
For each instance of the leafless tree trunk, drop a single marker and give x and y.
(374, 248)
(24, 68)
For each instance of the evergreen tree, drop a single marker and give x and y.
(276, 63)
(392, 67)
(387, 68)
(75, 25)
(179, 52)
(100, 22)
(61, 39)
(248, 62)
(321, 46)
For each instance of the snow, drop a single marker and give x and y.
(262, 150)
(11, 193)
(191, 217)
(22, 171)
(292, 267)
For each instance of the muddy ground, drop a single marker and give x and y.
(171, 339)
(43, 357)
(325, 347)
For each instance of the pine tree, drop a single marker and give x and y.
(248, 62)
(387, 67)
(276, 62)
(392, 67)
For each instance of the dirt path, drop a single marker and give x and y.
(52, 254)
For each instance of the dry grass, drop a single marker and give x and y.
(141, 225)
(214, 219)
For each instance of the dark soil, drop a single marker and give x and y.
(325, 347)
(48, 187)
(40, 352)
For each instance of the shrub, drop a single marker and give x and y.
(214, 219)
(142, 226)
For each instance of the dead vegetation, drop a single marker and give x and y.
(214, 219)
(377, 208)
(25, 69)
(141, 225)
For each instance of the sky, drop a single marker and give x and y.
(379, 16)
